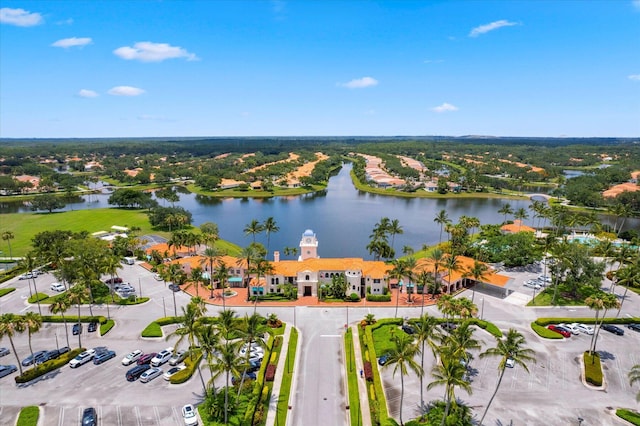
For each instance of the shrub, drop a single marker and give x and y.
(106, 327)
(277, 342)
(73, 318)
(152, 330)
(592, 369)
(632, 417)
(372, 391)
(37, 297)
(132, 300)
(28, 416)
(378, 298)
(273, 357)
(47, 366)
(4, 291)
(353, 297)
(545, 332)
(270, 373)
(168, 320)
(192, 364)
(488, 326)
(368, 371)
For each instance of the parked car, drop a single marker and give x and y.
(157, 277)
(613, 329)
(178, 357)
(510, 362)
(573, 327)
(146, 358)
(4, 351)
(89, 417)
(634, 327)
(5, 370)
(133, 374)
(150, 374)
(189, 415)
(93, 326)
(408, 329)
(123, 287)
(448, 326)
(55, 353)
(131, 357)
(173, 370)
(114, 280)
(27, 276)
(104, 356)
(560, 330)
(255, 365)
(249, 375)
(161, 357)
(82, 358)
(174, 287)
(383, 359)
(36, 358)
(76, 329)
(545, 278)
(586, 329)
(532, 284)
(57, 287)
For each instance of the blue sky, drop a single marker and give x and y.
(319, 68)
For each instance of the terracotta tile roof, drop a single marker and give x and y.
(515, 227)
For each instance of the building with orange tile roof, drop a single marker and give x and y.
(515, 227)
(619, 189)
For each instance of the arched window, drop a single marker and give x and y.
(306, 277)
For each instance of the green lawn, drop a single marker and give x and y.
(352, 380)
(287, 376)
(28, 416)
(383, 338)
(545, 297)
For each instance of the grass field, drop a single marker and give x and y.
(25, 225)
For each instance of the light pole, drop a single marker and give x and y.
(398, 297)
(482, 308)
(57, 345)
(164, 307)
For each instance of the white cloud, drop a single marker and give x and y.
(125, 91)
(71, 42)
(360, 83)
(146, 51)
(445, 107)
(86, 93)
(19, 17)
(482, 29)
(65, 22)
(634, 77)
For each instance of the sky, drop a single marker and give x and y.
(319, 68)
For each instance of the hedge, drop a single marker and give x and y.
(632, 417)
(168, 320)
(48, 366)
(74, 318)
(368, 371)
(37, 297)
(488, 326)
(8, 290)
(592, 369)
(132, 301)
(29, 416)
(191, 364)
(106, 327)
(590, 320)
(545, 332)
(152, 330)
(381, 406)
(378, 298)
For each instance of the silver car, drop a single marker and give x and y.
(150, 374)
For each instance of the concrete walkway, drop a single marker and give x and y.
(362, 383)
(277, 380)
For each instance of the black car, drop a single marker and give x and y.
(449, 326)
(613, 329)
(383, 359)
(135, 373)
(89, 417)
(634, 327)
(250, 375)
(174, 287)
(36, 358)
(77, 329)
(408, 329)
(93, 326)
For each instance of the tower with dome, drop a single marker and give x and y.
(308, 246)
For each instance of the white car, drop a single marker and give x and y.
(254, 349)
(189, 415)
(586, 329)
(57, 287)
(157, 277)
(150, 374)
(173, 370)
(178, 357)
(82, 358)
(545, 278)
(131, 357)
(162, 357)
(573, 327)
(532, 284)
(510, 362)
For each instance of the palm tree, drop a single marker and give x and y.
(628, 276)
(402, 357)
(29, 261)
(634, 376)
(111, 264)
(479, 272)
(445, 305)
(253, 228)
(450, 373)
(437, 257)
(60, 306)
(196, 276)
(226, 361)
(600, 301)
(251, 330)
(452, 264)
(511, 347)
(210, 256)
(32, 323)
(399, 271)
(222, 276)
(261, 268)
(506, 210)
(210, 232)
(189, 326)
(269, 226)
(521, 214)
(76, 296)
(423, 279)
(442, 219)
(394, 229)
(226, 323)
(8, 236)
(460, 341)
(464, 307)
(10, 325)
(209, 339)
(426, 333)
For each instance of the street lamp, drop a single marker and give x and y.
(482, 307)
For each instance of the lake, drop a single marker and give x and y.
(342, 217)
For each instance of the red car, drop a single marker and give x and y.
(560, 330)
(146, 358)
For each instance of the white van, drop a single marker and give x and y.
(129, 260)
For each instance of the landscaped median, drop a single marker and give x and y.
(631, 416)
(5, 291)
(29, 416)
(540, 325)
(105, 324)
(352, 380)
(154, 329)
(47, 366)
(287, 377)
(592, 369)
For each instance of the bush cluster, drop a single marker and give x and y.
(378, 298)
(592, 369)
(191, 364)
(74, 318)
(270, 373)
(132, 300)
(368, 371)
(47, 366)
(106, 327)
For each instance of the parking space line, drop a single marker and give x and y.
(119, 415)
(157, 413)
(137, 413)
(548, 386)
(177, 416)
(61, 417)
(621, 375)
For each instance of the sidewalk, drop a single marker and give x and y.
(362, 383)
(277, 380)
